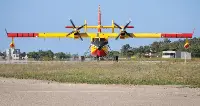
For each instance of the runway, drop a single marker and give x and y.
(45, 93)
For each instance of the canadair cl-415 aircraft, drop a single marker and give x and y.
(99, 41)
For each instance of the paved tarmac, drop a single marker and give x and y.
(15, 92)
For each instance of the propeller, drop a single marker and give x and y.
(75, 29)
(123, 30)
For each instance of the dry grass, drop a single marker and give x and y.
(123, 72)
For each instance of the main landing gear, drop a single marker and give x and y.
(98, 58)
(115, 58)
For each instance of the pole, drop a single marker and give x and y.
(185, 57)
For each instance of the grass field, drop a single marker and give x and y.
(123, 72)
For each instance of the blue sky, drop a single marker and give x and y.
(53, 15)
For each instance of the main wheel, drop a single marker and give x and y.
(98, 58)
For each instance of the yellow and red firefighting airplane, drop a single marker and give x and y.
(99, 41)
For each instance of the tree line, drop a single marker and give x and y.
(158, 46)
(127, 51)
(49, 55)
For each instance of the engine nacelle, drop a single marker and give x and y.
(76, 36)
(122, 36)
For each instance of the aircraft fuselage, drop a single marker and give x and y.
(99, 47)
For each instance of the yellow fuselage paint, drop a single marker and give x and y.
(94, 48)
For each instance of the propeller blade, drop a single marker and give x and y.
(130, 19)
(81, 37)
(72, 23)
(127, 24)
(81, 27)
(129, 34)
(117, 36)
(6, 31)
(69, 33)
(117, 26)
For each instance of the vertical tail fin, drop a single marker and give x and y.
(99, 19)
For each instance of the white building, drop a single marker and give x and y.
(13, 54)
(1, 56)
(176, 54)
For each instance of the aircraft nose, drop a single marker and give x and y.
(101, 53)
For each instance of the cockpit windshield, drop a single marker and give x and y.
(98, 39)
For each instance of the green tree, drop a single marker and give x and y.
(146, 49)
(141, 49)
(68, 55)
(155, 46)
(50, 54)
(125, 48)
(113, 53)
(130, 53)
(166, 41)
(60, 55)
(33, 55)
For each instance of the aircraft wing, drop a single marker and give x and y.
(50, 35)
(106, 35)
(151, 35)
